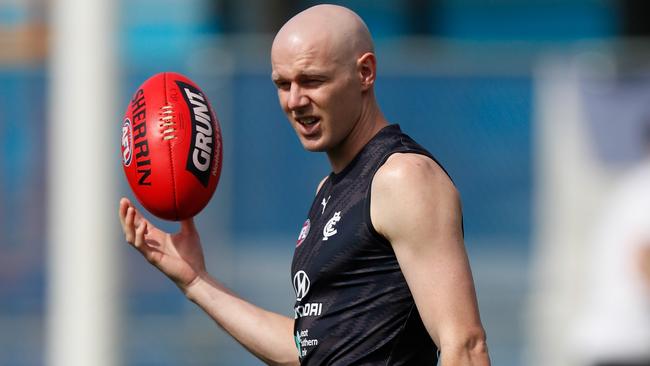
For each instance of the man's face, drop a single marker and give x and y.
(318, 90)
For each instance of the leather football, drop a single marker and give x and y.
(171, 147)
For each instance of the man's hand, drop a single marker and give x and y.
(179, 256)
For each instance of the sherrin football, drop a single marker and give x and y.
(171, 146)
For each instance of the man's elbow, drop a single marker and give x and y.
(285, 363)
(475, 342)
(289, 361)
(470, 346)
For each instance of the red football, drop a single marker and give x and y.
(171, 146)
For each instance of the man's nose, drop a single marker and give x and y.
(297, 98)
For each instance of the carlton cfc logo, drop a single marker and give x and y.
(127, 142)
(329, 229)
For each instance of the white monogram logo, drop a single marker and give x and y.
(329, 229)
(301, 284)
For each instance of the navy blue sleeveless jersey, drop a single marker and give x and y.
(353, 305)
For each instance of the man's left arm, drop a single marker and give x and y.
(416, 207)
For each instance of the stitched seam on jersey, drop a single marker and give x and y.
(401, 334)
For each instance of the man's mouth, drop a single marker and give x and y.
(308, 120)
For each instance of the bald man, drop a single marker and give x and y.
(380, 270)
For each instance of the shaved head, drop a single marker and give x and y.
(339, 30)
(323, 65)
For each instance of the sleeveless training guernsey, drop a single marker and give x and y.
(353, 305)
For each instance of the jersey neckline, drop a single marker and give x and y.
(337, 177)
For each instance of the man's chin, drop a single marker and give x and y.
(313, 148)
(313, 145)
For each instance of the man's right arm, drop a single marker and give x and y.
(269, 336)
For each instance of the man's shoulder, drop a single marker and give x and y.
(406, 169)
(407, 189)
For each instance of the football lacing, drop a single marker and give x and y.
(166, 120)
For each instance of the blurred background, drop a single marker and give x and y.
(536, 108)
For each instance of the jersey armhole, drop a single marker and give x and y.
(366, 211)
(403, 149)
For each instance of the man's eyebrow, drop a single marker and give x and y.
(311, 74)
(302, 75)
(314, 71)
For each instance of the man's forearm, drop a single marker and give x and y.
(268, 335)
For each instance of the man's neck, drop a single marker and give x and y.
(362, 132)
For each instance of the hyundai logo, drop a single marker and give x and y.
(300, 284)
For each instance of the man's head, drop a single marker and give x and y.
(324, 68)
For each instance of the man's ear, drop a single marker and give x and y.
(367, 69)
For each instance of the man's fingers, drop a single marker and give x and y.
(135, 229)
(141, 244)
(129, 227)
(137, 218)
(124, 205)
(139, 236)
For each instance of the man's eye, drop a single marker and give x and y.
(283, 85)
(312, 82)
